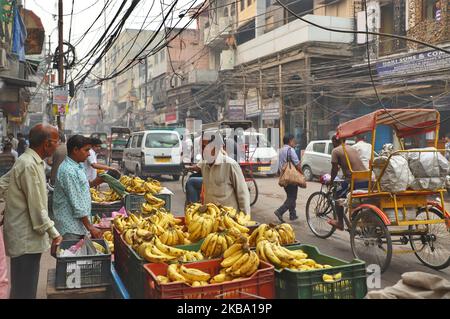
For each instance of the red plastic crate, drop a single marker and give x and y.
(261, 285)
(121, 254)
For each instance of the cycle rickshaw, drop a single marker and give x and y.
(377, 219)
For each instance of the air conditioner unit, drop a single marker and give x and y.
(3, 59)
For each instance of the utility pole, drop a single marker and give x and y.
(60, 56)
(280, 88)
(308, 99)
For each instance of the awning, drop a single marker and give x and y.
(404, 121)
(12, 81)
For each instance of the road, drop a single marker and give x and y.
(271, 197)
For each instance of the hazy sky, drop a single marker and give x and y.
(85, 12)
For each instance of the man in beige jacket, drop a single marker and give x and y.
(28, 231)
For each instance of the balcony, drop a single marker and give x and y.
(430, 31)
(216, 33)
(295, 33)
(202, 76)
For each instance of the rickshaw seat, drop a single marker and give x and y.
(361, 175)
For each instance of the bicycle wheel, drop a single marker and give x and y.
(253, 190)
(318, 211)
(432, 246)
(371, 240)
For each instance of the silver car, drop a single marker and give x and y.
(316, 160)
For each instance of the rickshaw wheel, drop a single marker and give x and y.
(433, 247)
(318, 211)
(370, 239)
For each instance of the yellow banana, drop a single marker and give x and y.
(238, 264)
(192, 274)
(230, 260)
(271, 255)
(211, 246)
(222, 277)
(174, 275)
(151, 257)
(248, 265)
(232, 249)
(172, 251)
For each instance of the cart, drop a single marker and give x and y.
(379, 220)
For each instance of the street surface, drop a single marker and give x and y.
(271, 196)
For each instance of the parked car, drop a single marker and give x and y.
(260, 150)
(316, 159)
(153, 152)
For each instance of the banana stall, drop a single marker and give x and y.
(213, 252)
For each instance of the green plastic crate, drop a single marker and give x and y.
(134, 202)
(192, 247)
(104, 209)
(310, 285)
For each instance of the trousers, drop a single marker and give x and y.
(25, 276)
(290, 202)
(193, 189)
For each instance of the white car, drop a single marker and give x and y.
(154, 152)
(316, 160)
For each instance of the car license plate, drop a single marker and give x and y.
(162, 159)
(264, 168)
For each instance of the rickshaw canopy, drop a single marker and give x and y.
(405, 122)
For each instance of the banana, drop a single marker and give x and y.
(171, 251)
(238, 264)
(271, 255)
(99, 248)
(164, 237)
(173, 274)
(282, 255)
(205, 245)
(260, 251)
(232, 259)
(211, 246)
(192, 274)
(219, 246)
(222, 277)
(162, 279)
(248, 265)
(151, 257)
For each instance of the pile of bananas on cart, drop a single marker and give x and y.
(136, 185)
(104, 196)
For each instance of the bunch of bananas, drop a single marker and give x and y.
(155, 251)
(159, 223)
(109, 238)
(240, 217)
(215, 244)
(229, 222)
(152, 201)
(239, 262)
(160, 216)
(282, 257)
(105, 196)
(181, 273)
(152, 186)
(283, 234)
(197, 209)
(137, 185)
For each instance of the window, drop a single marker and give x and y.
(139, 140)
(319, 147)
(129, 142)
(156, 59)
(162, 140)
(242, 5)
(233, 10)
(225, 12)
(134, 142)
(249, 3)
(430, 8)
(163, 55)
(330, 148)
(268, 3)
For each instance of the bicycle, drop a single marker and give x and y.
(324, 209)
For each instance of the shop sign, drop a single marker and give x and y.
(251, 107)
(236, 110)
(271, 110)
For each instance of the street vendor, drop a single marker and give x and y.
(72, 198)
(223, 180)
(91, 164)
(338, 160)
